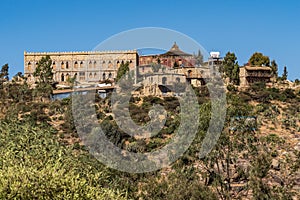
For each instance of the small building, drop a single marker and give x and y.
(175, 57)
(253, 74)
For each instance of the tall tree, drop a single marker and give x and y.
(44, 77)
(123, 69)
(231, 68)
(258, 59)
(4, 72)
(199, 58)
(274, 68)
(3, 76)
(285, 73)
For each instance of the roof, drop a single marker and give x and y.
(256, 68)
(175, 51)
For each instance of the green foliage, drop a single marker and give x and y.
(274, 68)
(258, 59)
(285, 74)
(123, 69)
(35, 166)
(199, 58)
(179, 185)
(155, 67)
(231, 68)
(44, 76)
(4, 72)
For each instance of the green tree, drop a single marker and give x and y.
(285, 73)
(199, 58)
(258, 59)
(123, 69)
(3, 77)
(274, 68)
(235, 77)
(44, 77)
(231, 68)
(4, 72)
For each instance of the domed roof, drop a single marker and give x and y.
(175, 51)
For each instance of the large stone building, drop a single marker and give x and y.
(85, 66)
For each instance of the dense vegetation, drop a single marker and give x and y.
(43, 158)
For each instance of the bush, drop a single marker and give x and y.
(35, 166)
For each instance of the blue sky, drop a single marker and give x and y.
(244, 27)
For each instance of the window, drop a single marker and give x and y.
(90, 75)
(95, 75)
(90, 64)
(81, 64)
(29, 66)
(109, 64)
(62, 65)
(109, 75)
(67, 65)
(103, 76)
(62, 77)
(164, 80)
(95, 64)
(76, 64)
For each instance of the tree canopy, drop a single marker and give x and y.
(258, 59)
(123, 69)
(231, 68)
(4, 72)
(44, 77)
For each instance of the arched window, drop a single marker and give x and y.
(164, 80)
(67, 76)
(103, 76)
(81, 64)
(95, 75)
(103, 62)
(62, 77)
(76, 64)
(62, 65)
(95, 64)
(190, 73)
(29, 66)
(67, 65)
(90, 64)
(90, 75)
(54, 65)
(109, 75)
(109, 64)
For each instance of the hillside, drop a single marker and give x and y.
(43, 157)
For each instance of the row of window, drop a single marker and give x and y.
(80, 64)
(82, 76)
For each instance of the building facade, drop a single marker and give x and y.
(253, 74)
(175, 57)
(85, 66)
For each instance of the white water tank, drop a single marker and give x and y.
(215, 54)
